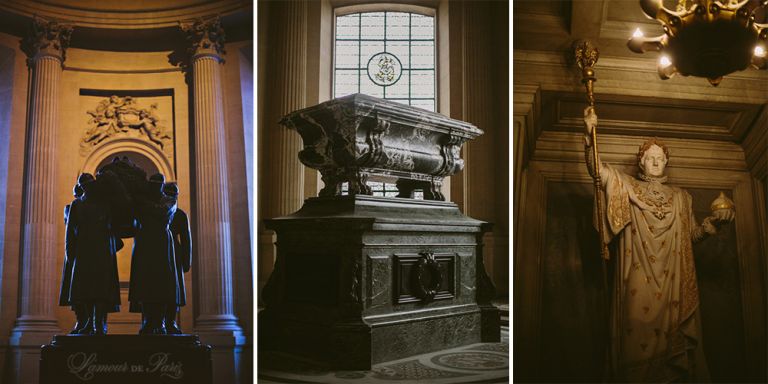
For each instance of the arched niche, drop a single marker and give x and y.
(145, 155)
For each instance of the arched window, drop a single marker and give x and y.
(387, 54)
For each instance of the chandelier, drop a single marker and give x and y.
(706, 38)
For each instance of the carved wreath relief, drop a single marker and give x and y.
(125, 117)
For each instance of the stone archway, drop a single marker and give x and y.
(139, 151)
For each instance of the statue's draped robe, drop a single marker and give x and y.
(90, 272)
(153, 265)
(655, 327)
(182, 249)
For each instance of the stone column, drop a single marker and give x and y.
(216, 321)
(286, 76)
(36, 324)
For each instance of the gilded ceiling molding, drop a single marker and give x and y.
(47, 38)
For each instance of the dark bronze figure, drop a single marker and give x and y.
(66, 276)
(92, 284)
(121, 202)
(182, 251)
(154, 285)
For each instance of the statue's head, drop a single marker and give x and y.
(85, 181)
(157, 178)
(653, 157)
(156, 182)
(171, 189)
(77, 191)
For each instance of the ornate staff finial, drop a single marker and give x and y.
(586, 55)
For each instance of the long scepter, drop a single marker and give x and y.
(586, 57)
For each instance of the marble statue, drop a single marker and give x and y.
(655, 322)
(92, 284)
(154, 285)
(182, 252)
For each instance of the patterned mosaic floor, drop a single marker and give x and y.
(476, 363)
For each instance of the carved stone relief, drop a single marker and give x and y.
(117, 117)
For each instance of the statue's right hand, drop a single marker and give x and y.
(590, 120)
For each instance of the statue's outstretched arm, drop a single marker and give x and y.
(700, 232)
(70, 236)
(590, 123)
(722, 212)
(185, 240)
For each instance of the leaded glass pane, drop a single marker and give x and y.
(423, 54)
(423, 84)
(347, 82)
(422, 27)
(397, 25)
(348, 27)
(347, 54)
(372, 25)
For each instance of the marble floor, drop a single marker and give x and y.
(476, 363)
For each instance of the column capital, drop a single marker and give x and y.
(205, 38)
(47, 38)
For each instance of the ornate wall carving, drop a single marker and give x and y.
(126, 117)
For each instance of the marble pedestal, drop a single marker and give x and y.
(361, 280)
(126, 359)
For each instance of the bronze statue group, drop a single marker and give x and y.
(121, 202)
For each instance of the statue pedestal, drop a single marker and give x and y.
(361, 280)
(125, 359)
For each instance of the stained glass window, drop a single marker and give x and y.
(390, 55)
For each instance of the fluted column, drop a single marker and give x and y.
(211, 217)
(36, 323)
(286, 74)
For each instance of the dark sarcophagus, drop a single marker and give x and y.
(363, 279)
(352, 138)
